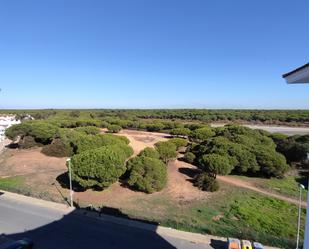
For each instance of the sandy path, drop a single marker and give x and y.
(4, 143)
(247, 185)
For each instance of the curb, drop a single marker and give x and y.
(42, 203)
(160, 230)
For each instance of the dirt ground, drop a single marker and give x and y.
(139, 140)
(40, 174)
(41, 171)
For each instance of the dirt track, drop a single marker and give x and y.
(247, 185)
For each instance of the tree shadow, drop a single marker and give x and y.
(12, 146)
(189, 171)
(63, 180)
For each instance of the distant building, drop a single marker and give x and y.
(5, 122)
(301, 75)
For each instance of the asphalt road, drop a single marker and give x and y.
(52, 229)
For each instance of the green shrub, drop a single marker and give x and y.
(113, 128)
(194, 126)
(167, 150)
(206, 182)
(202, 134)
(88, 130)
(16, 130)
(43, 132)
(98, 168)
(27, 142)
(180, 131)
(215, 164)
(57, 149)
(154, 127)
(292, 150)
(149, 152)
(179, 142)
(271, 163)
(123, 149)
(87, 142)
(189, 157)
(75, 114)
(147, 174)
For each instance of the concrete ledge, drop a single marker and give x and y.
(160, 230)
(34, 201)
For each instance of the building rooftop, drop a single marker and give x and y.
(298, 75)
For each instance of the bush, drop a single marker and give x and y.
(88, 130)
(41, 131)
(154, 127)
(271, 163)
(149, 152)
(202, 134)
(189, 157)
(215, 164)
(27, 142)
(179, 142)
(193, 126)
(292, 150)
(75, 114)
(123, 149)
(16, 130)
(167, 150)
(98, 168)
(147, 174)
(180, 131)
(206, 182)
(113, 128)
(83, 142)
(57, 149)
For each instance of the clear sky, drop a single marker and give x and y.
(152, 53)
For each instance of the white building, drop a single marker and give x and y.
(5, 122)
(301, 75)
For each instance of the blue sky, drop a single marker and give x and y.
(152, 53)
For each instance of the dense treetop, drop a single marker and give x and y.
(205, 115)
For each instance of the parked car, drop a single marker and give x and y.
(257, 245)
(20, 244)
(246, 244)
(233, 243)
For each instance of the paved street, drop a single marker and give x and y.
(52, 228)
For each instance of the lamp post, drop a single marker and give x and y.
(301, 187)
(70, 179)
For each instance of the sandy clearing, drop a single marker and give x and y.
(139, 140)
(180, 185)
(30, 161)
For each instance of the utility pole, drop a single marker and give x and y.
(301, 187)
(70, 179)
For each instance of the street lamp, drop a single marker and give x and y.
(70, 179)
(301, 187)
